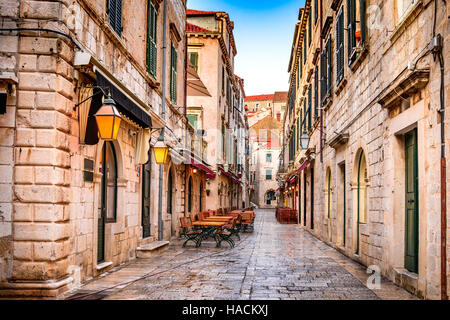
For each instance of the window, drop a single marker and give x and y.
(193, 118)
(340, 46)
(316, 93)
(114, 12)
(362, 189)
(268, 174)
(193, 58)
(223, 80)
(403, 7)
(151, 39)
(309, 30)
(309, 107)
(356, 27)
(268, 157)
(173, 74)
(325, 72)
(316, 10)
(108, 168)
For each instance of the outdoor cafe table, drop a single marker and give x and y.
(210, 225)
(219, 218)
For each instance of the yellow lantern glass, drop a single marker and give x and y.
(108, 120)
(160, 151)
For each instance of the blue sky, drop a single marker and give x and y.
(263, 31)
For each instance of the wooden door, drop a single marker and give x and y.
(411, 203)
(146, 194)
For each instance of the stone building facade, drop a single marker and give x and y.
(71, 205)
(211, 49)
(365, 87)
(265, 152)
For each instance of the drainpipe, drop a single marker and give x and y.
(163, 116)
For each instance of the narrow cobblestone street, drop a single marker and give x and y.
(274, 262)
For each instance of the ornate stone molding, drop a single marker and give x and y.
(404, 87)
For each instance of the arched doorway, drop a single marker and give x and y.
(269, 197)
(108, 197)
(361, 196)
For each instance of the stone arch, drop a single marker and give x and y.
(360, 185)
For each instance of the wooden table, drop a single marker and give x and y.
(219, 218)
(209, 223)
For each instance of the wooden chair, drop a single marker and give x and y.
(225, 235)
(189, 233)
(234, 227)
(247, 221)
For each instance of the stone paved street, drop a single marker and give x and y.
(273, 262)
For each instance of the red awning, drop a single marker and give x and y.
(229, 175)
(209, 173)
(303, 166)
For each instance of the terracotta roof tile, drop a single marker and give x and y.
(191, 12)
(194, 28)
(261, 97)
(280, 96)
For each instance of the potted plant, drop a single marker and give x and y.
(207, 192)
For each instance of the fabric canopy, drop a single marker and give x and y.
(209, 173)
(124, 104)
(303, 166)
(195, 86)
(229, 175)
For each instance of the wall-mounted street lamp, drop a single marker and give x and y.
(108, 120)
(160, 150)
(304, 140)
(107, 117)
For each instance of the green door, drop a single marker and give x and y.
(102, 214)
(146, 191)
(411, 214)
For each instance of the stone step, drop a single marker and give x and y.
(148, 250)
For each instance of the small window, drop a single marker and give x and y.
(193, 57)
(193, 119)
(268, 157)
(268, 174)
(356, 16)
(114, 12)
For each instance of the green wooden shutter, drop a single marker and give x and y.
(173, 74)
(193, 118)
(362, 8)
(330, 67)
(351, 26)
(340, 46)
(114, 11)
(151, 39)
(316, 93)
(309, 107)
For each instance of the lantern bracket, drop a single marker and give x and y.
(102, 91)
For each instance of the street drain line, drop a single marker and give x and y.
(148, 275)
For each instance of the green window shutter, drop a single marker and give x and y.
(316, 10)
(151, 40)
(193, 118)
(316, 93)
(351, 26)
(330, 67)
(309, 107)
(340, 46)
(114, 11)
(309, 30)
(173, 74)
(362, 8)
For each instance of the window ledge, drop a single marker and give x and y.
(327, 102)
(341, 85)
(363, 52)
(408, 17)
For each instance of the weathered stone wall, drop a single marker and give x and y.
(378, 132)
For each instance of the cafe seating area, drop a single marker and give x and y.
(286, 215)
(223, 225)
